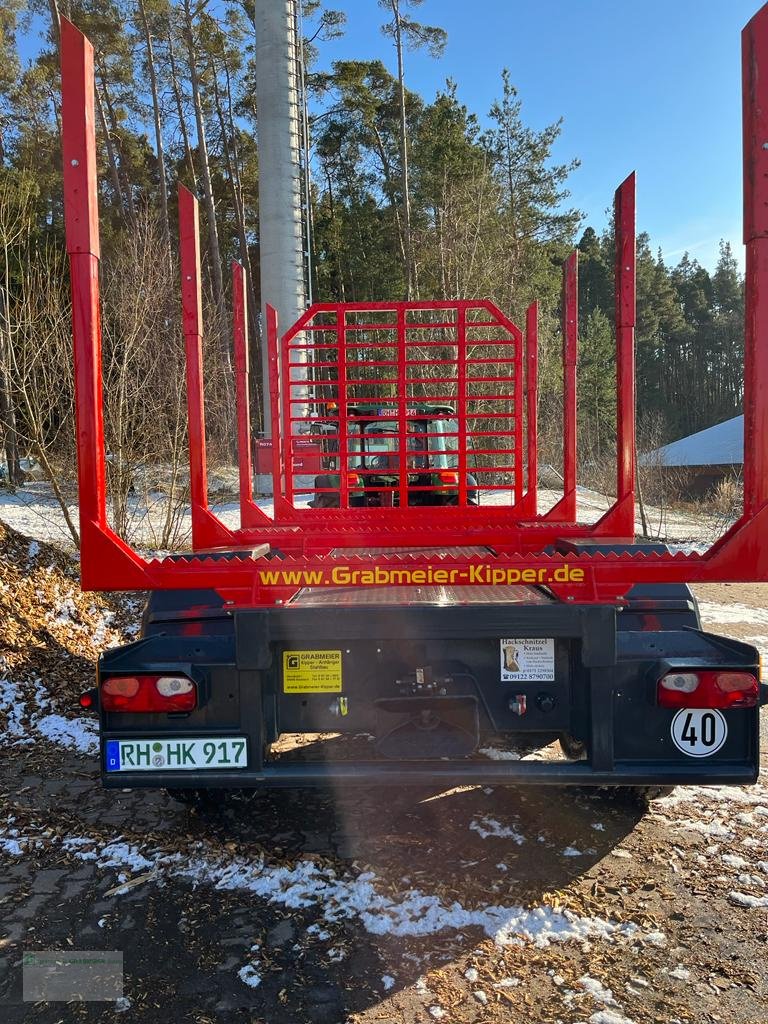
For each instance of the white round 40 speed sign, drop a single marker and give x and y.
(699, 732)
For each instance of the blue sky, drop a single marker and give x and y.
(653, 86)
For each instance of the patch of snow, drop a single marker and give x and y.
(77, 733)
(387, 982)
(507, 983)
(471, 975)
(609, 1017)
(734, 861)
(13, 706)
(744, 899)
(708, 828)
(489, 827)
(499, 755)
(481, 997)
(571, 851)
(437, 1012)
(715, 613)
(597, 990)
(421, 986)
(681, 973)
(249, 976)
(122, 1004)
(349, 897)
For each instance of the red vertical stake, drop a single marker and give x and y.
(343, 410)
(275, 397)
(288, 387)
(565, 509)
(104, 557)
(242, 391)
(532, 403)
(519, 362)
(755, 124)
(462, 404)
(624, 217)
(570, 356)
(82, 236)
(192, 316)
(402, 410)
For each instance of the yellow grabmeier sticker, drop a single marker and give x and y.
(311, 671)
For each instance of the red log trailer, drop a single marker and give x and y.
(405, 586)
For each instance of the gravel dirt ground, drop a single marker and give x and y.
(473, 905)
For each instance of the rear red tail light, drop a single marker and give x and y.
(707, 688)
(446, 477)
(148, 693)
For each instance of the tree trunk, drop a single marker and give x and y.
(205, 171)
(406, 198)
(231, 160)
(10, 435)
(126, 185)
(114, 171)
(180, 110)
(158, 126)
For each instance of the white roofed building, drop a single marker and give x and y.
(721, 445)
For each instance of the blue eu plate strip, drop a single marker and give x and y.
(113, 756)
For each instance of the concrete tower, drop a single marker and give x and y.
(279, 127)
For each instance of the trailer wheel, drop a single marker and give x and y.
(202, 799)
(639, 797)
(573, 749)
(645, 795)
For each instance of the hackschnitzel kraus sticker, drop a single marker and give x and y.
(528, 660)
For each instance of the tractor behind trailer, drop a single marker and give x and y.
(422, 605)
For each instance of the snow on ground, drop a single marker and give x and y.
(34, 511)
(486, 827)
(340, 896)
(725, 614)
(26, 706)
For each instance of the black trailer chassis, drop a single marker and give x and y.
(425, 682)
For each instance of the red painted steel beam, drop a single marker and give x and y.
(103, 555)
(625, 287)
(242, 396)
(282, 508)
(570, 356)
(192, 317)
(250, 514)
(755, 126)
(81, 217)
(528, 507)
(565, 509)
(207, 529)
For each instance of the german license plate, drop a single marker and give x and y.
(176, 755)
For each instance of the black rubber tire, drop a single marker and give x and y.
(573, 749)
(202, 799)
(638, 797)
(645, 795)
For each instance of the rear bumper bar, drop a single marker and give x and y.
(507, 773)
